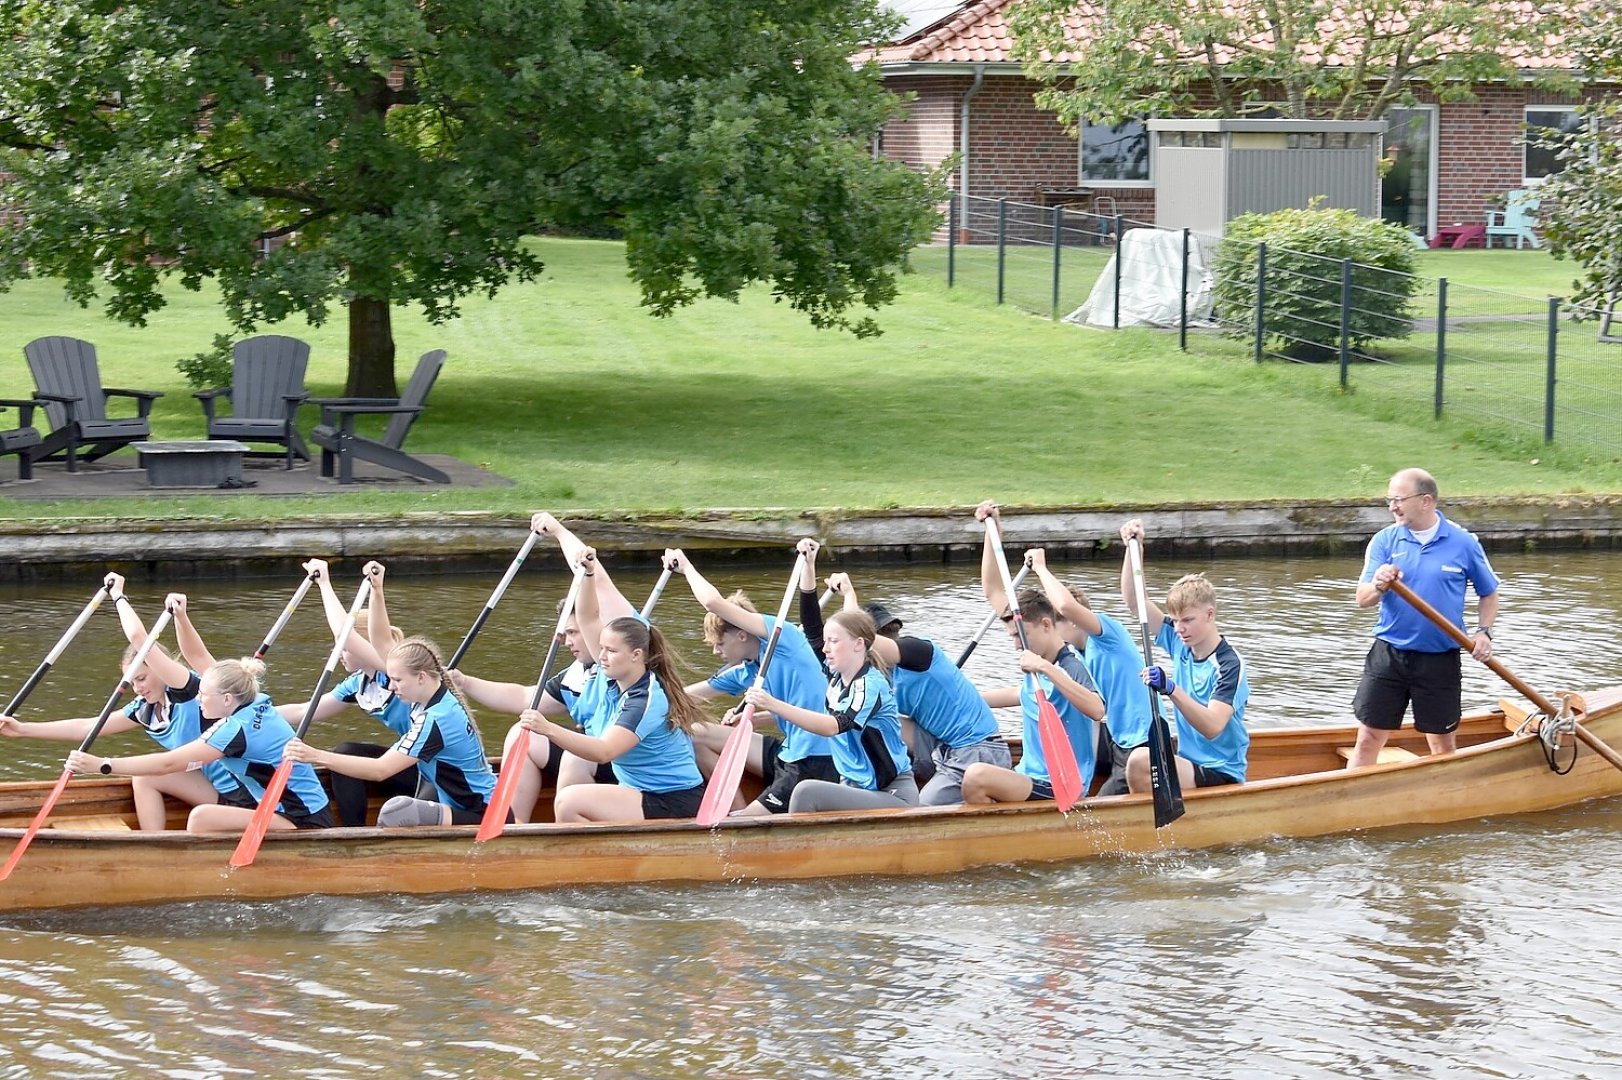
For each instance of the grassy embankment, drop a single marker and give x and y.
(570, 389)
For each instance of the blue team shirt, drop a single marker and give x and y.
(1437, 572)
(449, 754)
(581, 694)
(1218, 677)
(1077, 724)
(251, 740)
(662, 759)
(795, 677)
(1115, 663)
(176, 721)
(868, 726)
(941, 700)
(369, 690)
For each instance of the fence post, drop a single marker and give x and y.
(1058, 246)
(1548, 383)
(1441, 340)
(1117, 317)
(1345, 319)
(1182, 310)
(1002, 244)
(1261, 298)
(953, 209)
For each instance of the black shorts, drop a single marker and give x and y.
(1392, 678)
(460, 816)
(781, 776)
(1204, 777)
(672, 804)
(1040, 789)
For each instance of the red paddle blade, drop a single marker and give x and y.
(501, 799)
(254, 835)
(1063, 772)
(33, 826)
(728, 774)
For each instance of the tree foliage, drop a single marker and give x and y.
(398, 151)
(1334, 59)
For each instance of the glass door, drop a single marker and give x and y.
(1408, 186)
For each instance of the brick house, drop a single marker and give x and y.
(971, 97)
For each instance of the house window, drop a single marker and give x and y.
(1115, 154)
(1543, 120)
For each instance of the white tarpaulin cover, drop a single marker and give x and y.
(1151, 263)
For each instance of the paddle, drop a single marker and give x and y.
(1592, 741)
(512, 763)
(728, 772)
(490, 604)
(287, 613)
(124, 684)
(56, 652)
(1064, 774)
(1163, 779)
(658, 587)
(968, 650)
(254, 835)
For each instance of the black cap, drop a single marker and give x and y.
(882, 616)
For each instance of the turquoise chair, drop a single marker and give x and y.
(1515, 220)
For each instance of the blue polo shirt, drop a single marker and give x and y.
(869, 745)
(449, 754)
(1114, 662)
(795, 676)
(662, 759)
(1077, 724)
(939, 697)
(251, 740)
(1220, 677)
(1437, 572)
(176, 721)
(369, 691)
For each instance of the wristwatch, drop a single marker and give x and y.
(1485, 630)
(107, 766)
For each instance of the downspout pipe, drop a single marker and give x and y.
(963, 143)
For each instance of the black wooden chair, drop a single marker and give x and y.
(68, 384)
(338, 441)
(21, 439)
(267, 388)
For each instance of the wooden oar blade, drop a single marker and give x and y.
(501, 799)
(248, 847)
(1063, 771)
(34, 826)
(728, 774)
(1164, 782)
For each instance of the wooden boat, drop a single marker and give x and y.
(1299, 788)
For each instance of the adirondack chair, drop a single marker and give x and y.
(267, 388)
(338, 441)
(68, 383)
(21, 439)
(1516, 220)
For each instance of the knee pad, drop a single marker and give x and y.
(403, 810)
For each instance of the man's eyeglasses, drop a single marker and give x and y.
(1400, 499)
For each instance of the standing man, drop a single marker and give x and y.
(1412, 660)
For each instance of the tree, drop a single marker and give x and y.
(1330, 59)
(312, 153)
(1582, 204)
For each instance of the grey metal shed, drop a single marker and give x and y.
(1209, 171)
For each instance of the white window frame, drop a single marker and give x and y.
(1081, 163)
(1527, 128)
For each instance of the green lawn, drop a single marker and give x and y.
(568, 387)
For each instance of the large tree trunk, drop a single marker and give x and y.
(371, 350)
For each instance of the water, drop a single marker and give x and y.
(1484, 949)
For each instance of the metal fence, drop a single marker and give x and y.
(1511, 366)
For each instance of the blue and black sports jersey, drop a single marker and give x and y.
(1115, 663)
(370, 691)
(176, 721)
(581, 693)
(938, 696)
(449, 754)
(662, 759)
(869, 751)
(1218, 677)
(251, 740)
(795, 676)
(1077, 724)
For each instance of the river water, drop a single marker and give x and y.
(1484, 949)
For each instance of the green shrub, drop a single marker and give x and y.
(209, 370)
(1305, 249)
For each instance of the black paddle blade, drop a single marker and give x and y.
(1167, 788)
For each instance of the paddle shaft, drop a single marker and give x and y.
(968, 650)
(1164, 781)
(1592, 741)
(512, 762)
(728, 774)
(56, 652)
(287, 613)
(495, 598)
(254, 835)
(124, 684)
(658, 587)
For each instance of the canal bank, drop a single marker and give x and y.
(441, 542)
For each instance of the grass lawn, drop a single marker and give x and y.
(569, 388)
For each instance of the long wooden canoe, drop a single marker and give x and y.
(1299, 788)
